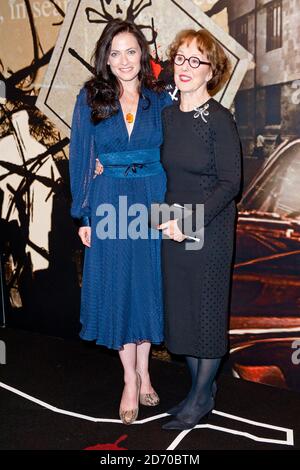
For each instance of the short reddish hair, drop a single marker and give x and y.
(208, 45)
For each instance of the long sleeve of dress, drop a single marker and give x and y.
(82, 159)
(228, 159)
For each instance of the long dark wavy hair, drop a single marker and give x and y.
(104, 89)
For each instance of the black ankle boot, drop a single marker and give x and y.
(177, 408)
(201, 412)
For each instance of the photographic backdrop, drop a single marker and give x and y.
(45, 49)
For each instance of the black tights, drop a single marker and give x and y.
(203, 373)
(200, 399)
(192, 363)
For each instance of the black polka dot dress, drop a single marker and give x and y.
(202, 158)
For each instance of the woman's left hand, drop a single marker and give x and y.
(171, 229)
(99, 168)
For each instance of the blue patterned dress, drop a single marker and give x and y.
(121, 296)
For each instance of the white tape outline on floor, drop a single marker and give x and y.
(289, 432)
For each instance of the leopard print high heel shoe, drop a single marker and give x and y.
(149, 399)
(129, 416)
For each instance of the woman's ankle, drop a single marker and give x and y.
(130, 377)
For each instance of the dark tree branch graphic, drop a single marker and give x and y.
(60, 11)
(217, 7)
(134, 10)
(19, 96)
(34, 36)
(80, 59)
(106, 17)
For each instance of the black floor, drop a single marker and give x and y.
(77, 377)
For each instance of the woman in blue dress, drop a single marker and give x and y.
(117, 120)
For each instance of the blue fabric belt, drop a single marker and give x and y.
(136, 163)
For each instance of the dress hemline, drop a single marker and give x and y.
(121, 347)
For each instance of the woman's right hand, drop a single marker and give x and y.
(85, 235)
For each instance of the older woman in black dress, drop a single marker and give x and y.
(202, 158)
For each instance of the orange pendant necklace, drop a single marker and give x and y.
(129, 118)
